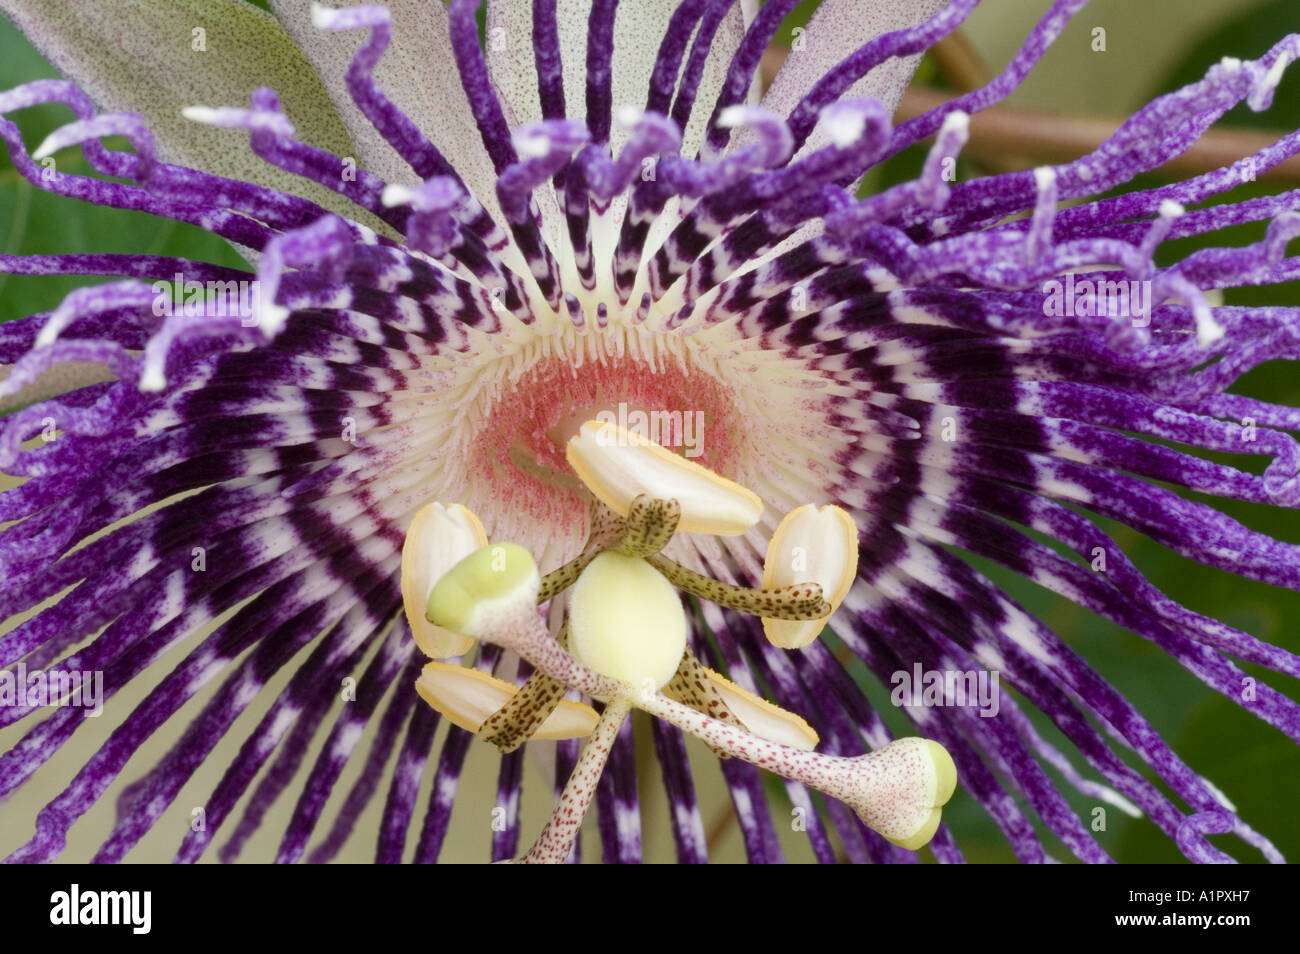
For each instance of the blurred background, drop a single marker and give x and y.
(1077, 91)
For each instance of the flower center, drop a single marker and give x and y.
(531, 403)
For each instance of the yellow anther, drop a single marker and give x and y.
(438, 539)
(467, 697)
(810, 546)
(762, 717)
(618, 466)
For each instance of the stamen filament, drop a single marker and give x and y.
(801, 601)
(691, 685)
(650, 525)
(519, 719)
(607, 529)
(563, 577)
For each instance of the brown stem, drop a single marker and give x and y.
(722, 823)
(960, 62)
(1006, 138)
(1040, 137)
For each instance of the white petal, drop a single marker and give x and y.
(417, 72)
(137, 56)
(438, 539)
(638, 31)
(836, 31)
(810, 546)
(618, 465)
(467, 697)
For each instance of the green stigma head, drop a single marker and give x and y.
(494, 574)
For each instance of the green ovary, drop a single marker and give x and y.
(626, 621)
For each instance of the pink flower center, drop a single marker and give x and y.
(521, 442)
